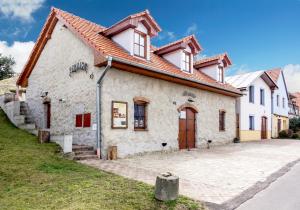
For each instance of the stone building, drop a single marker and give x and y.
(111, 87)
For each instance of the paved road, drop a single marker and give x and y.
(283, 194)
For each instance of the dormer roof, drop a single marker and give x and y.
(213, 60)
(190, 41)
(132, 22)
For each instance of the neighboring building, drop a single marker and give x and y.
(149, 98)
(294, 103)
(254, 107)
(280, 102)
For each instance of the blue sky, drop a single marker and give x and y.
(257, 34)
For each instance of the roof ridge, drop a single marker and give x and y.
(175, 42)
(75, 16)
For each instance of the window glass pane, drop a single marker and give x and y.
(136, 38)
(136, 49)
(187, 67)
(142, 51)
(142, 40)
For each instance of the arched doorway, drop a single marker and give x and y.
(187, 128)
(264, 128)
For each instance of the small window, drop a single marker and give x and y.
(251, 94)
(277, 99)
(83, 120)
(140, 116)
(251, 123)
(221, 74)
(262, 97)
(187, 62)
(140, 44)
(222, 120)
(283, 102)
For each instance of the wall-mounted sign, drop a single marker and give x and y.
(79, 66)
(119, 114)
(186, 93)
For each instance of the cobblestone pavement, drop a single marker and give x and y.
(215, 175)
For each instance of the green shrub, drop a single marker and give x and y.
(283, 134)
(295, 124)
(295, 136)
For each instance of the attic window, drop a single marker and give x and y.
(187, 62)
(140, 44)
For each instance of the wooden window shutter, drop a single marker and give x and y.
(87, 120)
(78, 120)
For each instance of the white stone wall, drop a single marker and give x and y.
(51, 74)
(163, 124)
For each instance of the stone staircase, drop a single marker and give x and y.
(26, 121)
(84, 152)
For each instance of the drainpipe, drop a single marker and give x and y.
(98, 107)
(272, 111)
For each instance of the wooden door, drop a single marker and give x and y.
(264, 134)
(48, 115)
(187, 129)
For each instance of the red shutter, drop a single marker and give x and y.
(78, 120)
(87, 120)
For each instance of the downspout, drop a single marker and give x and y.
(272, 111)
(98, 107)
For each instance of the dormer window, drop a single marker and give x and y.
(186, 62)
(140, 44)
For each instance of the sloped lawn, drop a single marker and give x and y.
(35, 176)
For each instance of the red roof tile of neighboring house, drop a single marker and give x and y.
(103, 47)
(274, 73)
(296, 98)
(210, 60)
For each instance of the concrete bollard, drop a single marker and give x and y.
(166, 187)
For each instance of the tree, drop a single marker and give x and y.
(6, 64)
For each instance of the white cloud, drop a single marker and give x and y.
(19, 51)
(22, 9)
(169, 35)
(192, 29)
(292, 77)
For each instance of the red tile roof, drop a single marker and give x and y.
(207, 60)
(186, 39)
(274, 73)
(296, 98)
(89, 33)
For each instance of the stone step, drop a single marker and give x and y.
(29, 119)
(85, 157)
(19, 119)
(88, 152)
(82, 148)
(34, 132)
(30, 126)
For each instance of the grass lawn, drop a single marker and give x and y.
(35, 176)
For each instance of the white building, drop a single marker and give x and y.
(280, 102)
(254, 108)
(110, 87)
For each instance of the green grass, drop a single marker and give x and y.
(36, 176)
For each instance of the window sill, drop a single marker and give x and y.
(140, 129)
(222, 130)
